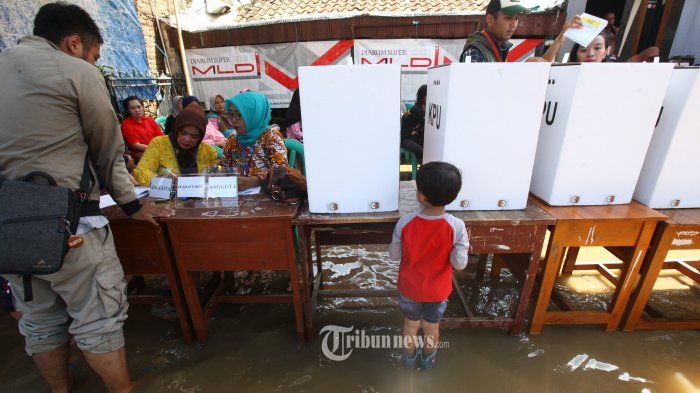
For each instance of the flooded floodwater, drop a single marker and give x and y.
(253, 348)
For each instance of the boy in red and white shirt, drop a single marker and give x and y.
(429, 244)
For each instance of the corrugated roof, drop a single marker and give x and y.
(263, 12)
(270, 10)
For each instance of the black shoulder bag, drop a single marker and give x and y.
(37, 220)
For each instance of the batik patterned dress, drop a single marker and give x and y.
(267, 152)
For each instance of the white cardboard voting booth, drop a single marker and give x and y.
(597, 123)
(352, 130)
(670, 176)
(484, 118)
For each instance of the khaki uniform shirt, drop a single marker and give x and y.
(54, 108)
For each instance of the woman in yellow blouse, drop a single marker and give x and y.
(182, 152)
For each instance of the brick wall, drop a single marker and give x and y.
(148, 20)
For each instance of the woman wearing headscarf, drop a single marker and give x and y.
(257, 146)
(218, 110)
(181, 152)
(175, 108)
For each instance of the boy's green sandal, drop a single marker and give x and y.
(409, 362)
(427, 363)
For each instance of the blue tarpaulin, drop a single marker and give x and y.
(124, 49)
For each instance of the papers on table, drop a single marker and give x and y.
(250, 191)
(106, 201)
(141, 191)
(592, 26)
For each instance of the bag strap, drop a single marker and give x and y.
(85, 181)
(27, 284)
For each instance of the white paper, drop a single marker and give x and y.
(222, 187)
(592, 26)
(161, 187)
(141, 191)
(250, 191)
(191, 186)
(106, 201)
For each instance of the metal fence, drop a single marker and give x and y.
(153, 91)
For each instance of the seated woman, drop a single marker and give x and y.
(598, 51)
(413, 125)
(175, 108)
(138, 129)
(214, 138)
(257, 146)
(181, 152)
(218, 111)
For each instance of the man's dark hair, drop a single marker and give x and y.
(127, 100)
(422, 93)
(56, 21)
(439, 182)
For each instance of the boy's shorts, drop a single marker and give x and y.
(428, 311)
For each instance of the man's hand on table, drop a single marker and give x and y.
(149, 212)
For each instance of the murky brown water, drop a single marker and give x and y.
(253, 348)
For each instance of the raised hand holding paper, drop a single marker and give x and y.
(592, 26)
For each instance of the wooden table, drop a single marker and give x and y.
(144, 249)
(490, 232)
(626, 227)
(248, 233)
(681, 231)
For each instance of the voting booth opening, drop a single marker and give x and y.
(351, 137)
(492, 140)
(669, 176)
(597, 123)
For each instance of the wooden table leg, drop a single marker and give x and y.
(178, 297)
(552, 262)
(653, 264)
(307, 281)
(570, 261)
(294, 279)
(481, 267)
(529, 281)
(628, 276)
(319, 264)
(180, 305)
(189, 288)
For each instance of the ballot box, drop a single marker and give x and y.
(670, 177)
(352, 126)
(485, 118)
(597, 123)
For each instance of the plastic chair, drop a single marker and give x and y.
(294, 149)
(410, 156)
(161, 122)
(219, 151)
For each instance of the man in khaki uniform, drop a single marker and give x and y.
(55, 108)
